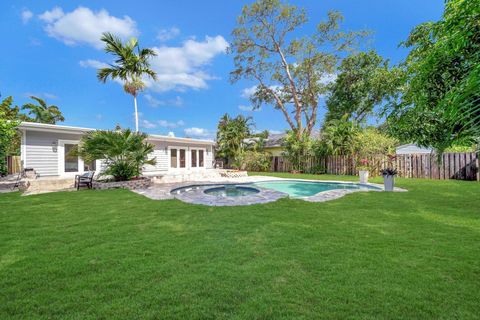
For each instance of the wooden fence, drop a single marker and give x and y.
(14, 164)
(461, 166)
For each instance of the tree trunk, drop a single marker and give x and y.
(136, 113)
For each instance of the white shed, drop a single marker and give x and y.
(412, 148)
(45, 148)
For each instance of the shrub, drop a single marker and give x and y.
(123, 152)
(253, 160)
(297, 150)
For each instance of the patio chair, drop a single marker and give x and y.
(84, 180)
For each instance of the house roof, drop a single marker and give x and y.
(412, 148)
(275, 140)
(33, 126)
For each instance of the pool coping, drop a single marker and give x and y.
(264, 196)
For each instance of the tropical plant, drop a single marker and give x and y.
(123, 152)
(338, 137)
(7, 135)
(440, 105)
(371, 141)
(12, 113)
(290, 72)
(388, 172)
(130, 66)
(253, 160)
(43, 113)
(231, 134)
(364, 81)
(297, 150)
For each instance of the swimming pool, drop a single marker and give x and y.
(231, 191)
(302, 189)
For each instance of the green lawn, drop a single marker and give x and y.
(116, 254)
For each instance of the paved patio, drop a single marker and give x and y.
(196, 195)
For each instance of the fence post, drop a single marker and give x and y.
(478, 166)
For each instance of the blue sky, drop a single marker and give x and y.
(51, 49)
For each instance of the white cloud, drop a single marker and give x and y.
(43, 95)
(90, 63)
(181, 68)
(248, 108)
(49, 95)
(26, 15)
(178, 68)
(84, 26)
(154, 102)
(198, 133)
(52, 15)
(147, 124)
(328, 78)
(168, 34)
(248, 92)
(167, 124)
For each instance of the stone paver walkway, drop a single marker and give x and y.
(196, 195)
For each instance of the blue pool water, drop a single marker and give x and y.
(299, 189)
(231, 191)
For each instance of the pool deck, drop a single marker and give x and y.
(162, 191)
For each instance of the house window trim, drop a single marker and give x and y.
(196, 149)
(187, 158)
(61, 159)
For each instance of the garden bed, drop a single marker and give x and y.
(140, 183)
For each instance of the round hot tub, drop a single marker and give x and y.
(231, 191)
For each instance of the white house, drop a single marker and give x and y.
(45, 148)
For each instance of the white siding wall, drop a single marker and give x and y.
(41, 151)
(42, 155)
(161, 155)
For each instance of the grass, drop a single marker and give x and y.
(115, 254)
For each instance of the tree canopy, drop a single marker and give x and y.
(8, 123)
(231, 133)
(289, 71)
(440, 104)
(43, 113)
(364, 81)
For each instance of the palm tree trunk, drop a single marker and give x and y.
(136, 113)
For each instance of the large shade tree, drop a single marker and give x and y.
(364, 81)
(131, 65)
(440, 105)
(289, 70)
(43, 113)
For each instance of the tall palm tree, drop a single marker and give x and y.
(43, 113)
(131, 64)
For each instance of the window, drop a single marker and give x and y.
(200, 158)
(71, 160)
(173, 158)
(182, 158)
(194, 158)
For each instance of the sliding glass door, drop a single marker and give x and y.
(186, 158)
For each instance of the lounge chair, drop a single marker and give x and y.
(84, 180)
